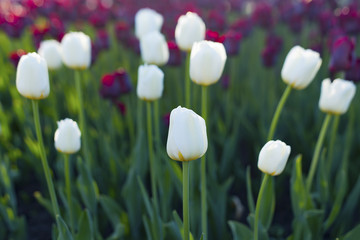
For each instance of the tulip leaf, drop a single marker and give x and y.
(64, 233)
(86, 228)
(249, 193)
(115, 214)
(172, 231)
(267, 207)
(240, 231)
(353, 234)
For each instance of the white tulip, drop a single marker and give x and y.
(147, 21)
(154, 49)
(32, 77)
(300, 67)
(335, 97)
(51, 51)
(67, 137)
(273, 157)
(190, 28)
(76, 50)
(207, 61)
(187, 139)
(150, 83)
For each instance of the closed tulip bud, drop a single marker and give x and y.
(154, 49)
(147, 21)
(273, 157)
(187, 139)
(32, 77)
(67, 137)
(76, 50)
(336, 96)
(300, 67)
(50, 50)
(150, 83)
(207, 61)
(190, 28)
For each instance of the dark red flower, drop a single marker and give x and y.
(273, 46)
(232, 42)
(122, 31)
(113, 85)
(349, 20)
(225, 82)
(38, 32)
(98, 19)
(15, 56)
(102, 40)
(326, 21)
(124, 79)
(166, 119)
(342, 52)
(175, 54)
(216, 21)
(212, 35)
(243, 26)
(353, 74)
(121, 107)
(263, 15)
(314, 8)
(57, 27)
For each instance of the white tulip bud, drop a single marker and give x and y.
(147, 21)
(187, 139)
(154, 49)
(207, 61)
(150, 83)
(273, 157)
(67, 137)
(76, 50)
(32, 77)
(51, 51)
(300, 67)
(335, 97)
(190, 28)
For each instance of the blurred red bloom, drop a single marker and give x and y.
(342, 52)
(216, 21)
(273, 46)
(15, 56)
(232, 42)
(349, 20)
(114, 84)
(263, 15)
(353, 74)
(243, 26)
(175, 54)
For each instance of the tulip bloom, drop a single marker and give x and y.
(50, 50)
(273, 157)
(207, 61)
(342, 52)
(115, 84)
(147, 21)
(15, 56)
(190, 28)
(353, 74)
(32, 77)
(336, 96)
(67, 137)
(300, 67)
(154, 49)
(76, 50)
(187, 139)
(174, 54)
(232, 42)
(150, 82)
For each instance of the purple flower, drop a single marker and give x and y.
(341, 54)
(175, 54)
(353, 74)
(263, 15)
(232, 42)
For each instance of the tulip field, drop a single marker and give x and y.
(179, 119)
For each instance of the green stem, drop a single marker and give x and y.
(82, 117)
(151, 155)
(258, 205)
(187, 81)
(203, 168)
(316, 156)
(68, 189)
(44, 162)
(277, 113)
(130, 121)
(157, 122)
(186, 220)
(335, 126)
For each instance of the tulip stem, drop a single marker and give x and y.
(258, 205)
(277, 113)
(203, 169)
(82, 116)
(156, 119)
(130, 121)
(335, 126)
(68, 189)
(187, 81)
(186, 166)
(44, 162)
(151, 155)
(316, 155)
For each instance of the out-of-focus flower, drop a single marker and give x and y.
(225, 82)
(263, 15)
(15, 56)
(166, 120)
(175, 54)
(353, 74)
(216, 21)
(326, 21)
(207, 61)
(243, 26)
(349, 20)
(341, 54)
(147, 21)
(50, 50)
(154, 49)
(270, 53)
(336, 96)
(38, 33)
(150, 83)
(76, 50)
(122, 31)
(300, 67)
(212, 36)
(314, 8)
(32, 77)
(121, 107)
(232, 42)
(102, 40)
(190, 28)
(98, 18)
(187, 139)
(292, 13)
(57, 27)
(67, 137)
(115, 84)
(273, 157)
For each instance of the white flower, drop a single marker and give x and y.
(300, 67)
(67, 137)
(207, 61)
(187, 139)
(51, 51)
(32, 77)
(150, 82)
(76, 50)
(147, 21)
(273, 157)
(154, 49)
(190, 28)
(335, 97)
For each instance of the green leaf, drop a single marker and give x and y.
(353, 234)
(267, 207)
(86, 229)
(64, 233)
(116, 215)
(250, 198)
(240, 231)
